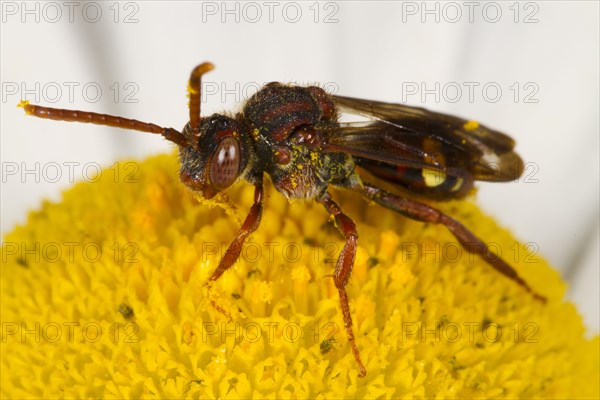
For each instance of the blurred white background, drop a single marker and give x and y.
(529, 69)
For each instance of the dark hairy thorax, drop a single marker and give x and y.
(284, 123)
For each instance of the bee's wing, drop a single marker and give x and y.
(413, 137)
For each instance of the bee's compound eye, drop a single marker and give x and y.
(225, 163)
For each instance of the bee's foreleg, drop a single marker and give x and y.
(250, 224)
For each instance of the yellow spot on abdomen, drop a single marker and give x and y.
(471, 125)
(457, 185)
(433, 177)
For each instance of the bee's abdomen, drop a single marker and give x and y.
(429, 182)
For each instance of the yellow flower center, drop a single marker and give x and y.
(103, 295)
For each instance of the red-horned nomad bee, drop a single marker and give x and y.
(293, 134)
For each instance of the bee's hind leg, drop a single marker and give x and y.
(423, 212)
(343, 269)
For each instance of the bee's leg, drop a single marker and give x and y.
(343, 269)
(250, 224)
(422, 212)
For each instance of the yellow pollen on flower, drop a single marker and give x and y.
(135, 319)
(300, 274)
(260, 291)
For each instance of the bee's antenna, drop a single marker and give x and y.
(194, 93)
(59, 114)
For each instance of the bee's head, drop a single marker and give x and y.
(211, 149)
(215, 157)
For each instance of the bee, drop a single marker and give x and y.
(293, 134)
